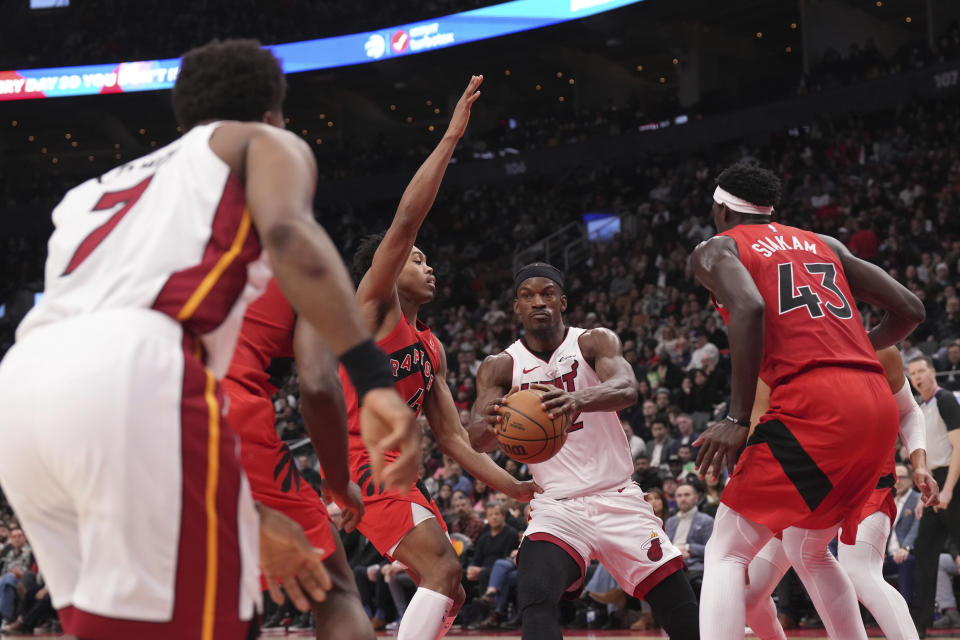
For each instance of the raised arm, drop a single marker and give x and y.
(494, 378)
(618, 384)
(717, 266)
(325, 418)
(444, 419)
(377, 292)
(873, 285)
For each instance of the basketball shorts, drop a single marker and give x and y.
(818, 452)
(388, 515)
(616, 527)
(882, 498)
(271, 468)
(126, 479)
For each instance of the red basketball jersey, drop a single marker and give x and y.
(413, 352)
(811, 318)
(263, 358)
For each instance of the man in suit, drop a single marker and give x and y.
(687, 435)
(689, 530)
(899, 557)
(658, 448)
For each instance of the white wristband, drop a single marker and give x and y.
(912, 429)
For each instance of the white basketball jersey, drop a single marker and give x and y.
(168, 232)
(596, 456)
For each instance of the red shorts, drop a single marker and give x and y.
(271, 468)
(882, 497)
(388, 515)
(816, 456)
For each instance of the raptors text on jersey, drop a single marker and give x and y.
(412, 351)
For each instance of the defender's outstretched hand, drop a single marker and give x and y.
(288, 557)
(461, 113)
(927, 484)
(525, 490)
(720, 443)
(350, 502)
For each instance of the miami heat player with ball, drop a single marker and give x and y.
(589, 507)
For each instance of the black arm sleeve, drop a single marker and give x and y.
(949, 409)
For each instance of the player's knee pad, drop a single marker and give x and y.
(546, 571)
(675, 607)
(534, 589)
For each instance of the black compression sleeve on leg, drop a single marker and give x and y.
(675, 607)
(545, 572)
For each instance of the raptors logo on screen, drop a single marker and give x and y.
(375, 46)
(568, 383)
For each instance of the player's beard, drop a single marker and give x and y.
(546, 333)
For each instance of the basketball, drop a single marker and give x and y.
(526, 433)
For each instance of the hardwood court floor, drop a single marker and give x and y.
(585, 634)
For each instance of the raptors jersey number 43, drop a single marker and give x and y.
(596, 455)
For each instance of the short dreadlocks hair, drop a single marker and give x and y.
(752, 183)
(227, 80)
(363, 256)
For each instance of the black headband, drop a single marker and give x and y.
(538, 270)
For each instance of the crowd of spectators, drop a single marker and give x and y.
(25, 605)
(887, 184)
(539, 128)
(866, 62)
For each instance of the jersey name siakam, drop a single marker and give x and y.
(769, 245)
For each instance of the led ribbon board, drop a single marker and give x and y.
(310, 55)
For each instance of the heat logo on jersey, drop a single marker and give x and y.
(652, 547)
(568, 382)
(409, 361)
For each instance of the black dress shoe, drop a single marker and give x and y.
(513, 623)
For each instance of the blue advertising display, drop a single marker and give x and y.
(310, 55)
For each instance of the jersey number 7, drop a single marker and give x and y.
(128, 198)
(807, 297)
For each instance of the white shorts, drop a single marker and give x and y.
(418, 514)
(616, 527)
(125, 479)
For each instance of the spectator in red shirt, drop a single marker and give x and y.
(466, 520)
(864, 242)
